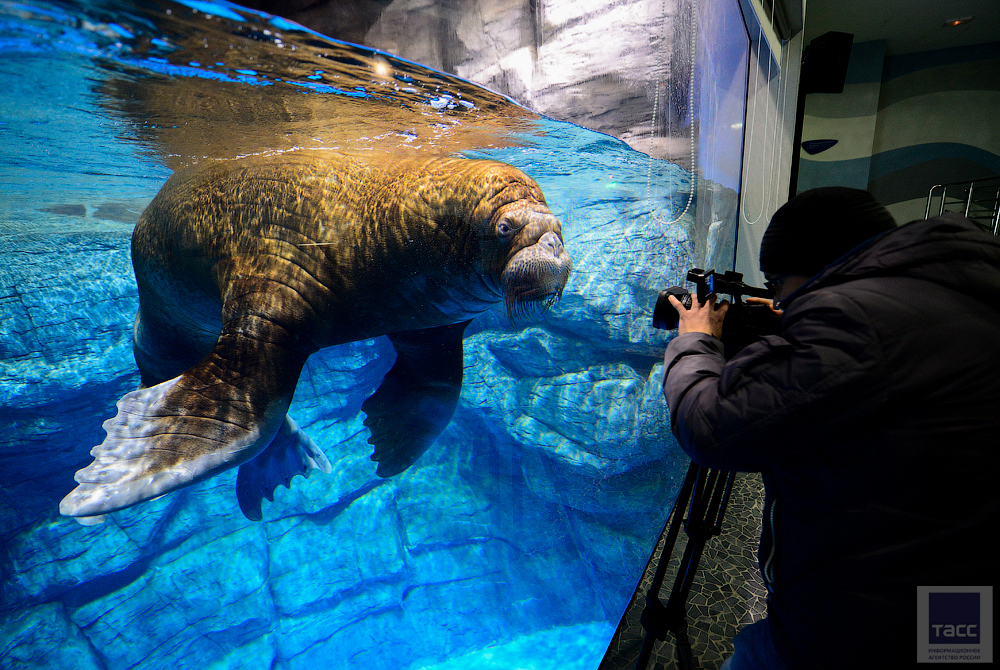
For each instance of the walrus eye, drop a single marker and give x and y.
(504, 230)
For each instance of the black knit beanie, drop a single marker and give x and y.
(817, 227)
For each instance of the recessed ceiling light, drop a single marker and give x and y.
(957, 22)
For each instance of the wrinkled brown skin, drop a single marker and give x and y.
(329, 248)
(247, 267)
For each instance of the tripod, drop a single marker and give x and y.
(708, 492)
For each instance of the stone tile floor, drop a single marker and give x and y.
(726, 595)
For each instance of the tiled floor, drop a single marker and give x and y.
(727, 592)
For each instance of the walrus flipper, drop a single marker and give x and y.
(417, 398)
(220, 413)
(290, 453)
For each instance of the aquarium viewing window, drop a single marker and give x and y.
(517, 538)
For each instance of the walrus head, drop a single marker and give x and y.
(501, 239)
(537, 265)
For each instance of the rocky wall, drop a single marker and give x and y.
(596, 63)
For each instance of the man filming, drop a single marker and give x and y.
(873, 416)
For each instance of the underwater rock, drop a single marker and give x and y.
(356, 541)
(124, 212)
(215, 585)
(65, 307)
(583, 419)
(45, 637)
(63, 302)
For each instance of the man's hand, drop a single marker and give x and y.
(766, 301)
(700, 318)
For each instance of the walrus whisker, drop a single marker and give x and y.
(521, 305)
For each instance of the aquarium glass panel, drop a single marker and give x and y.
(333, 246)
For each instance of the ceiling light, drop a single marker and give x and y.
(957, 22)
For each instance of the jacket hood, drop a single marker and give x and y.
(949, 250)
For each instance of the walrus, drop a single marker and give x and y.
(247, 267)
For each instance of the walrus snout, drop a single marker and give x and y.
(536, 275)
(553, 243)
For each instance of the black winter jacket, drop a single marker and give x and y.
(874, 417)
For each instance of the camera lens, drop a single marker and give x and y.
(665, 317)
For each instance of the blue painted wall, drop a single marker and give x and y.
(933, 121)
(937, 124)
(850, 118)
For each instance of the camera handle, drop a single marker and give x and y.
(708, 492)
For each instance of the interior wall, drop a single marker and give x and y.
(936, 124)
(847, 118)
(905, 123)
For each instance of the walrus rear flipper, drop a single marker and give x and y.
(218, 414)
(290, 453)
(417, 398)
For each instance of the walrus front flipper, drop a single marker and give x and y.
(290, 453)
(218, 414)
(417, 398)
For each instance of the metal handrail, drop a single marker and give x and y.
(988, 206)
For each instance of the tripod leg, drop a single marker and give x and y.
(685, 658)
(652, 614)
(708, 492)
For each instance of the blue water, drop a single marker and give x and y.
(515, 541)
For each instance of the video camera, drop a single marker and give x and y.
(744, 323)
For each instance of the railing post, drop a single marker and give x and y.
(987, 210)
(968, 200)
(996, 212)
(930, 197)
